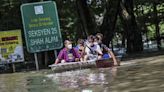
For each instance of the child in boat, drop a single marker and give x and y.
(68, 54)
(81, 48)
(107, 53)
(92, 50)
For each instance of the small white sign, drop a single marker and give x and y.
(87, 90)
(39, 9)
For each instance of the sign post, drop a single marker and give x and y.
(46, 58)
(36, 61)
(55, 53)
(41, 26)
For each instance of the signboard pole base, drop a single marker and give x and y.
(46, 58)
(36, 61)
(13, 66)
(55, 53)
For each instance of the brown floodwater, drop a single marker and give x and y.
(139, 75)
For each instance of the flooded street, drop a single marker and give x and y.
(139, 75)
(144, 76)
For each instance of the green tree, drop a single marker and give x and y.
(132, 32)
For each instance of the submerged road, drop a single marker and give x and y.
(138, 75)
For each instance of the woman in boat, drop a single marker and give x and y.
(92, 51)
(68, 54)
(107, 53)
(81, 48)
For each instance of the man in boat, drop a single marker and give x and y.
(92, 51)
(107, 53)
(81, 48)
(68, 54)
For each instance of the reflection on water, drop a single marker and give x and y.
(144, 75)
(97, 80)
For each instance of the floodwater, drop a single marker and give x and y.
(139, 75)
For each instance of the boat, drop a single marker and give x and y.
(104, 63)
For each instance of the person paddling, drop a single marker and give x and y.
(107, 53)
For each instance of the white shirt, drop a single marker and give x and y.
(95, 48)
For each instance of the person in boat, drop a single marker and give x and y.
(81, 48)
(107, 53)
(68, 54)
(92, 51)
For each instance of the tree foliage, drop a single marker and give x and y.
(79, 18)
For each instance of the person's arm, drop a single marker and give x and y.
(57, 61)
(82, 54)
(87, 51)
(77, 55)
(111, 54)
(60, 56)
(113, 57)
(98, 50)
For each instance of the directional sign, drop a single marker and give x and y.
(41, 26)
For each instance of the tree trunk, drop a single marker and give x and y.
(86, 17)
(156, 22)
(109, 21)
(133, 34)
